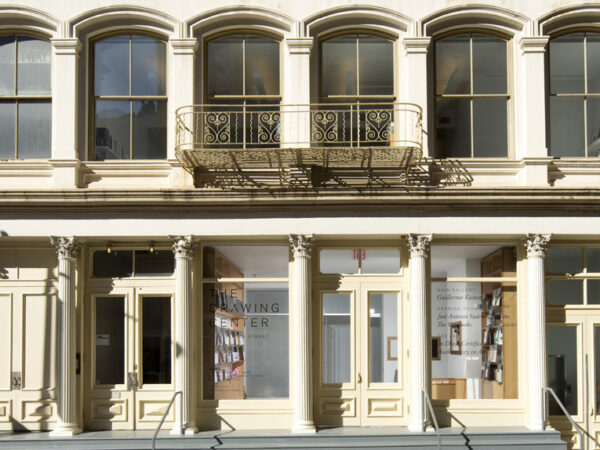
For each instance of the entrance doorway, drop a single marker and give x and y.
(129, 360)
(359, 343)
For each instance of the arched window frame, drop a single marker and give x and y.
(131, 98)
(508, 95)
(19, 99)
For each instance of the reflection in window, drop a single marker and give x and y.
(118, 263)
(562, 367)
(336, 338)
(156, 340)
(130, 103)
(471, 96)
(25, 101)
(575, 95)
(383, 337)
(571, 276)
(110, 340)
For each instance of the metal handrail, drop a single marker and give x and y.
(164, 416)
(564, 410)
(435, 422)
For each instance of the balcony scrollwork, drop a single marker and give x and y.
(273, 145)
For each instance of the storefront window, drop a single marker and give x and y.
(246, 322)
(570, 273)
(474, 322)
(359, 260)
(118, 263)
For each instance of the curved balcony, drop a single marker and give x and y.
(264, 145)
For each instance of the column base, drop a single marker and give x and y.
(65, 430)
(536, 426)
(304, 427)
(188, 429)
(419, 427)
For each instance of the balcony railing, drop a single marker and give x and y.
(272, 136)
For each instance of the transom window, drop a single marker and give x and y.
(575, 95)
(130, 102)
(573, 276)
(471, 88)
(25, 97)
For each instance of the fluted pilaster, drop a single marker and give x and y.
(303, 405)
(419, 365)
(68, 250)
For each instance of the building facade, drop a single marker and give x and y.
(298, 215)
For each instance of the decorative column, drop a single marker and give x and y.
(65, 117)
(531, 109)
(183, 247)
(303, 404)
(68, 249)
(419, 349)
(415, 88)
(536, 245)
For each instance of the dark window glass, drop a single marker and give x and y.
(224, 64)
(112, 129)
(452, 65)
(489, 65)
(110, 340)
(489, 127)
(567, 64)
(453, 127)
(262, 66)
(149, 131)
(111, 66)
(157, 263)
(7, 129)
(148, 66)
(338, 66)
(118, 264)
(156, 340)
(562, 367)
(375, 66)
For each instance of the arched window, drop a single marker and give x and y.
(130, 102)
(25, 97)
(472, 96)
(357, 68)
(575, 95)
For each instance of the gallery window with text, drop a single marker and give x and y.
(574, 127)
(245, 322)
(129, 98)
(25, 97)
(471, 96)
(474, 322)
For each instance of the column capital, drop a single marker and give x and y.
(300, 46)
(67, 247)
(66, 46)
(416, 44)
(419, 244)
(301, 244)
(537, 244)
(533, 44)
(183, 246)
(183, 46)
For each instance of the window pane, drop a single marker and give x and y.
(562, 367)
(566, 65)
(148, 66)
(112, 129)
(564, 260)
(35, 124)
(593, 126)
(489, 65)
(593, 292)
(452, 66)
(338, 66)
(338, 261)
(157, 263)
(33, 70)
(593, 62)
(336, 338)
(593, 259)
(7, 66)
(156, 340)
(246, 261)
(566, 131)
(110, 340)
(376, 66)
(7, 129)
(383, 337)
(118, 263)
(149, 129)
(564, 292)
(262, 66)
(381, 261)
(453, 118)
(111, 66)
(597, 364)
(225, 66)
(490, 127)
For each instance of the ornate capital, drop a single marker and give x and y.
(537, 244)
(418, 244)
(67, 247)
(301, 244)
(183, 246)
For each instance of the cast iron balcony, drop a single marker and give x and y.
(298, 145)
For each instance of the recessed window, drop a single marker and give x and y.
(25, 98)
(121, 263)
(130, 102)
(575, 95)
(471, 88)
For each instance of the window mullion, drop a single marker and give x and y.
(16, 143)
(585, 106)
(130, 99)
(471, 100)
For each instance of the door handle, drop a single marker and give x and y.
(359, 378)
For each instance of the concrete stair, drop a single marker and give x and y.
(354, 438)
